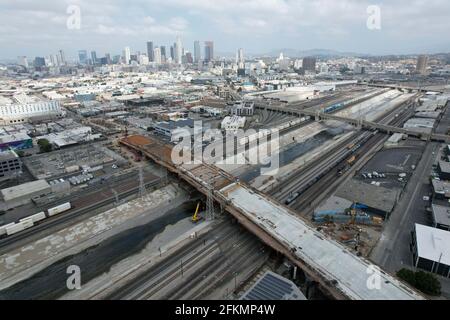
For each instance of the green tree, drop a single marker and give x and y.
(423, 281)
(44, 145)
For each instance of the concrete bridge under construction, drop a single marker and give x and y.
(337, 270)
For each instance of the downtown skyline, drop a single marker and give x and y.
(259, 27)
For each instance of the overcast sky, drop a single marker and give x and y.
(39, 27)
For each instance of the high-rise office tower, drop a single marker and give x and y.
(82, 56)
(209, 51)
(172, 53)
(157, 55)
(163, 54)
(197, 56)
(94, 57)
(22, 61)
(422, 64)
(62, 58)
(108, 58)
(178, 50)
(189, 58)
(39, 62)
(309, 64)
(240, 56)
(150, 51)
(54, 60)
(126, 55)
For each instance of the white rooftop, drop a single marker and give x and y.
(326, 256)
(433, 244)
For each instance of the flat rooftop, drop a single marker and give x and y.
(379, 198)
(330, 259)
(432, 244)
(272, 286)
(441, 214)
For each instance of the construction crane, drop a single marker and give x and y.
(196, 217)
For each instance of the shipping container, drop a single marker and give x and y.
(59, 209)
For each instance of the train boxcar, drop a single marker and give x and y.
(36, 217)
(4, 227)
(15, 228)
(59, 209)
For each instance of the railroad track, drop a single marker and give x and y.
(299, 181)
(329, 182)
(60, 220)
(137, 286)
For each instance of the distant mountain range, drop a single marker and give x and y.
(292, 53)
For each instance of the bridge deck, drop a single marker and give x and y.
(332, 265)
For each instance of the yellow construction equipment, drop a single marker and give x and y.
(196, 217)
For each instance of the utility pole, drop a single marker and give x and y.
(141, 182)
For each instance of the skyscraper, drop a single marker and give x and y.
(422, 64)
(240, 56)
(82, 56)
(150, 51)
(309, 64)
(94, 57)
(189, 58)
(163, 54)
(197, 56)
(178, 51)
(62, 58)
(22, 61)
(126, 55)
(157, 55)
(209, 51)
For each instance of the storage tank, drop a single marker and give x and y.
(59, 209)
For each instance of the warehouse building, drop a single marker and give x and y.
(17, 141)
(444, 170)
(441, 189)
(22, 194)
(233, 123)
(431, 251)
(12, 114)
(10, 165)
(377, 200)
(441, 217)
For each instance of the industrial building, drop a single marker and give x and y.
(441, 189)
(10, 165)
(30, 112)
(242, 109)
(18, 141)
(378, 200)
(24, 193)
(71, 137)
(441, 217)
(444, 170)
(233, 123)
(431, 251)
